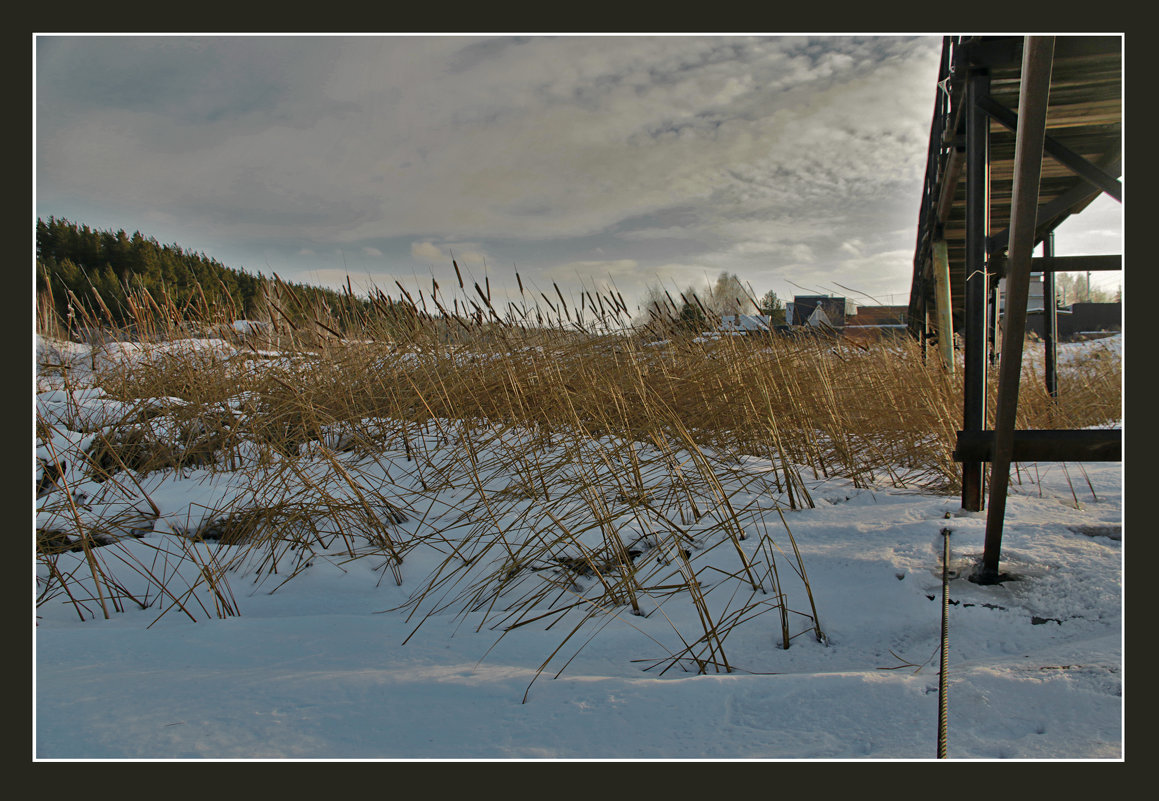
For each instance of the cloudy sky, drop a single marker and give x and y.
(794, 162)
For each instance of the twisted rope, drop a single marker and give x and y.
(943, 698)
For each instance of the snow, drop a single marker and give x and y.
(331, 658)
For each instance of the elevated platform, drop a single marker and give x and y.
(1083, 149)
(1026, 132)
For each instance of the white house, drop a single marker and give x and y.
(745, 323)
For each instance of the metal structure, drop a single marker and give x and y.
(1026, 132)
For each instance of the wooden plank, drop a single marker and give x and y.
(1058, 151)
(1062, 206)
(1006, 52)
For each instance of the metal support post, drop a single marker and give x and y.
(1050, 320)
(944, 309)
(925, 327)
(977, 229)
(1033, 94)
(993, 301)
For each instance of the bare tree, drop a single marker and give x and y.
(657, 309)
(1076, 288)
(729, 296)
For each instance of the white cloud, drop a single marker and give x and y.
(884, 275)
(468, 256)
(802, 254)
(762, 144)
(596, 273)
(558, 136)
(427, 251)
(668, 232)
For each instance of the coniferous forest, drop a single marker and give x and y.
(83, 273)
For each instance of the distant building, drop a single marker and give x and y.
(832, 311)
(1079, 318)
(871, 322)
(745, 323)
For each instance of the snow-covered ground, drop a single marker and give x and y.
(343, 661)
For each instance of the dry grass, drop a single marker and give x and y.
(591, 472)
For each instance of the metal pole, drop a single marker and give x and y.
(1033, 93)
(977, 229)
(1050, 320)
(992, 304)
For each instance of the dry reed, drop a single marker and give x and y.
(572, 469)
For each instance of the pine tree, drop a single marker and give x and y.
(771, 306)
(77, 258)
(691, 318)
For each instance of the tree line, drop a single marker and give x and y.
(84, 273)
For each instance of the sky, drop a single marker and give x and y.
(587, 162)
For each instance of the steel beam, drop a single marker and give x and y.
(1047, 445)
(977, 230)
(1049, 263)
(1033, 94)
(1050, 316)
(993, 301)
